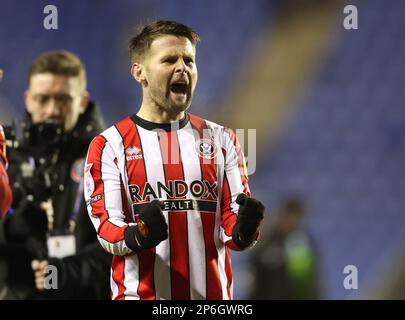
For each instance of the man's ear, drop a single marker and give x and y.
(27, 102)
(138, 73)
(84, 102)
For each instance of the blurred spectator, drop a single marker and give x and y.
(284, 263)
(48, 222)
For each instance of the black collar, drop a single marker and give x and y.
(162, 126)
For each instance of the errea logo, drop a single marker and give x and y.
(133, 153)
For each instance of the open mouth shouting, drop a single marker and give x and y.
(179, 88)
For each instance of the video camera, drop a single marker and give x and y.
(33, 159)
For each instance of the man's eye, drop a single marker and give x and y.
(60, 100)
(64, 99)
(42, 99)
(188, 61)
(169, 60)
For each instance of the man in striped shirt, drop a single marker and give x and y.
(166, 190)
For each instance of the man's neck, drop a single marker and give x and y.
(158, 115)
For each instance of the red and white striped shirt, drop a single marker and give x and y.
(197, 169)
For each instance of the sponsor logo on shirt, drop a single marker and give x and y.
(203, 195)
(133, 153)
(174, 189)
(94, 199)
(182, 205)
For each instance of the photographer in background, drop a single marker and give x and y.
(48, 222)
(5, 191)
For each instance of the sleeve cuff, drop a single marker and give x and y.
(130, 239)
(241, 241)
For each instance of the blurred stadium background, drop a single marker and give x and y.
(328, 105)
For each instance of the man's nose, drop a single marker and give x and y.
(180, 66)
(52, 108)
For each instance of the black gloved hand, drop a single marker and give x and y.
(250, 215)
(150, 230)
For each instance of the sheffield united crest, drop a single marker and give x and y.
(206, 148)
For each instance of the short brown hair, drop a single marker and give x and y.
(142, 41)
(62, 63)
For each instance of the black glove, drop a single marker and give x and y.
(150, 230)
(250, 215)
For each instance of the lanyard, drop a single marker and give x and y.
(76, 207)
